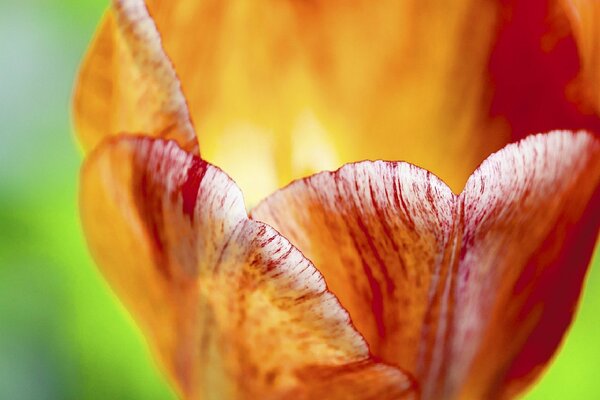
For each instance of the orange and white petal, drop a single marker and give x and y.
(472, 293)
(381, 233)
(128, 84)
(230, 307)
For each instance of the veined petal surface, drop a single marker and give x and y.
(471, 293)
(378, 232)
(230, 307)
(530, 223)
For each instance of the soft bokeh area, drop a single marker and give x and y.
(63, 334)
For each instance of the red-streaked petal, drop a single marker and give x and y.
(230, 307)
(378, 233)
(530, 223)
(127, 83)
(435, 286)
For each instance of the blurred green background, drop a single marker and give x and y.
(63, 335)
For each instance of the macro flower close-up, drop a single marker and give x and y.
(375, 281)
(324, 199)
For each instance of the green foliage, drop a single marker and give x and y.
(63, 334)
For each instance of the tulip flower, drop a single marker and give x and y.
(376, 281)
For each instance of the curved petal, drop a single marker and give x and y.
(306, 86)
(378, 233)
(530, 224)
(127, 83)
(282, 89)
(439, 284)
(230, 307)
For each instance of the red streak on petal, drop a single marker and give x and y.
(148, 192)
(189, 189)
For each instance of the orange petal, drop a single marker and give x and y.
(282, 89)
(230, 307)
(305, 86)
(584, 16)
(127, 83)
(364, 380)
(439, 284)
